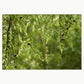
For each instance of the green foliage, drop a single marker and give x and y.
(41, 41)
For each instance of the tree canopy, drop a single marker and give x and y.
(41, 41)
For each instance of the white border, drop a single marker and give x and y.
(42, 11)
